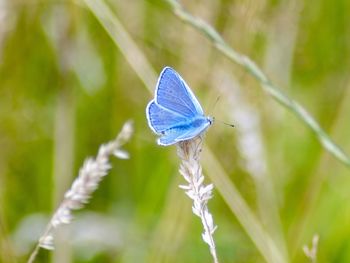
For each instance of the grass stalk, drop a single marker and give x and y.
(266, 84)
(122, 39)
(262, 240)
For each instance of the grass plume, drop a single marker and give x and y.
(190, 168)
(90, 175)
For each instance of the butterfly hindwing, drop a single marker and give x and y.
(192, 132)
(170, 138)
(160, 119)
(173, 93)
(182, 133)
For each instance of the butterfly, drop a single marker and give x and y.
(175, 114)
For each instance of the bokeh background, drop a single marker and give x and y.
(66, 87)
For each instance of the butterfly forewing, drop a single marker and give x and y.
(173, 93)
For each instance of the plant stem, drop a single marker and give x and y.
(273, 90)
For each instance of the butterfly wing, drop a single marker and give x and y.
(175, 113)
(170, 138)
(192, 132)
(182, 133)
(173, 93)
(161, 119)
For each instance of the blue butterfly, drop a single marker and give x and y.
(175, 114)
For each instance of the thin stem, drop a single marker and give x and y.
(268, 247)
(273, 90)
(212, 243)
(204, 220)
(34, 254)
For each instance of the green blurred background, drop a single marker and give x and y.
(66, 88)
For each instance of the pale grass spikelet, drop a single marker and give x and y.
(190, 168)
(311, 253)
(90, 175)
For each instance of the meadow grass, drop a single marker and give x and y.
(71, 72)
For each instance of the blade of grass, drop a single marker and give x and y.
(263, 80)
(251, 147)
(137, 60)
(239, 207)
(174, 224)
(123, 41)
(310, 198)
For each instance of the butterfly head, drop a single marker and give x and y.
(210, 120)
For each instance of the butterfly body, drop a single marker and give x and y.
(175, 114)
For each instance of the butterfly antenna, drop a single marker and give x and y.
(226, 123)
(215, 103)
(229, 124)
